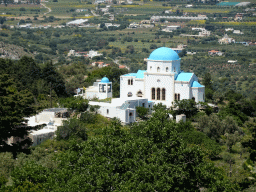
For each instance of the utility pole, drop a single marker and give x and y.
(51, 93)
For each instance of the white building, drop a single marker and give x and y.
(238, 32)
(226, 40)
(100, 89)
(162, 82)
(77, 22)
(215, 52)
(92, 54)
(171, 28)
(204, 33)
(52, 117)
(188, 6)
(229, 29)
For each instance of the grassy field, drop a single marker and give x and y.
(198, 11)
(236, 23)
(65, 8)
(21, 10)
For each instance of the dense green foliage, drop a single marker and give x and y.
(150, 156)
(40, 81)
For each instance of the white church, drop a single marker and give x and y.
(162, 82)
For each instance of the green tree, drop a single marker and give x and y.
(72, 128)
(54, 79)
(251, 144)
(211, 126)
(142, 111)
(14, 106)
(207, 82)
(185, 106)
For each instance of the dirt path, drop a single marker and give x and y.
(49, 9)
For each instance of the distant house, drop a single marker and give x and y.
(76, 54)
(167, 11)
(71, 53)
(102, 1)
(232, 61)
(188, 6)
(77, 22)
(238, 17)
(198, 29)
(122, 67)
(26, 26)
(238, 32)
(99, 64)
(179, 48)
(171, 28)
(134, 25)
(215, 52)
(80, 10)
(204, 33)
(226, 40)
(229, 29)
(111, 25)
(92, 54)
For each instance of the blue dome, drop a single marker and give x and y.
(104, 80)
(164, 54)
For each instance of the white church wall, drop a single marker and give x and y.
(160, 81)
(183, 88)
(198, 94)
(195, 93)
(138, 85)
(173, 66)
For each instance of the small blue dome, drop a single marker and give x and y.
(164, 54)
(104, 80)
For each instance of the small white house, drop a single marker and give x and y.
(52, 117)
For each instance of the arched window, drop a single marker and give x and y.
(130, 114)
(150, 68)
(153, 93)
(178, 97)
(163, 94)
(158, 69)
(167, 69)
(139, 94)
(107, 111)
(129, 82)
(158, 92)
